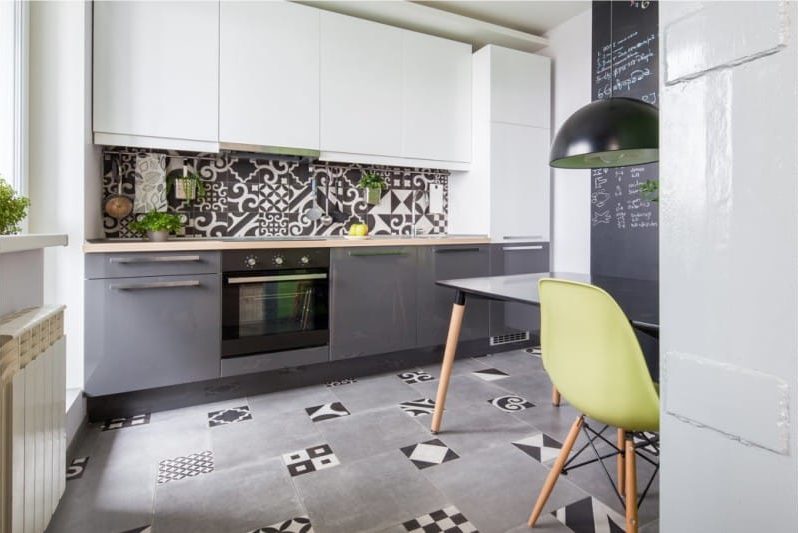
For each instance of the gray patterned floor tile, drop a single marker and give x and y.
(375, 392)
(262, 438)
(462, 366)
(516, 362)
(367, 495)
(365, 434)
(238, 499)
(496, 488)
(464, 392)
(275, 403)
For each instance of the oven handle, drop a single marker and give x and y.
(262, 279)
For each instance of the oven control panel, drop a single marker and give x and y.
(243, 260)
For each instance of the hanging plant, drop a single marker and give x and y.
(372, 184)
(13, 209)
(187, 187)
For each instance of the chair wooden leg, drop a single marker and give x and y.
(448, 361)
(555, 396)
(631, 486)
(548, 486)
(621, 442)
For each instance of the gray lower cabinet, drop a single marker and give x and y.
(511, 319)
(153, 331)
(373, 300)
(435, 303)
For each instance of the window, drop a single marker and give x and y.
(13, 93)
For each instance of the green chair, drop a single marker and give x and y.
(594, 360)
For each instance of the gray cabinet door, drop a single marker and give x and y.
(151, 332)
(373, 300)
(516, 258)
(435, 303)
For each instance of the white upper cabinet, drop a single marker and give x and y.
(520, 175)
(361, 86)
(269, 74)
(520, 86)
(156, 74)
(436, 97)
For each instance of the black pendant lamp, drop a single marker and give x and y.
(615, 132)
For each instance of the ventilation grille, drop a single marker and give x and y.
(510, 338)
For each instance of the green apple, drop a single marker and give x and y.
(358, 230)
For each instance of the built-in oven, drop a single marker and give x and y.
(274, 300)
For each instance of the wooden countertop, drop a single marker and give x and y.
(185, 245)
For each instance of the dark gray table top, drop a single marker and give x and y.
(639, 299)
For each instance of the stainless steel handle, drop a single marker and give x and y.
(156, 285)
(514, 248)
(522, 237)
(264, 279)
(157, 259)
(454, 250)
(377, 254)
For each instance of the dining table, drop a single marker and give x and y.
(638, 298)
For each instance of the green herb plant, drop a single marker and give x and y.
(199, 186)
(650, 190)
(370, 180)
(13, 209)
(157, 221)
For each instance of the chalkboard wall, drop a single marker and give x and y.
(624, 234)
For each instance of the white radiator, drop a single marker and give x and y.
(32, 418)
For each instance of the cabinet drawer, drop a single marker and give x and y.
(151, 332)
(128, 265)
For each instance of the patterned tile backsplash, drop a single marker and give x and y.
(259, 197)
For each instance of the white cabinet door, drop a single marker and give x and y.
(156, 70)
(520, 88)
(269, 74)
(361, 86)
(519, 182)
(436, 122)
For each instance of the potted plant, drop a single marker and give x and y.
(189, 186)
(373, 185)
(650, 191)
(157, 225)
(13, 209)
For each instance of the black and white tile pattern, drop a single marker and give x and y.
(327, 411)
(229, 416)
(310, 460)
(246, 197)
(76, 468)
(648, 440)
(183, 467)
(490, 374)
(511, 404)
(300, 524)
(338, 383)
(447, 520)
(430, 453)
(539, 446)
(415, 376)
(420, 407)
(590, 516)
(131, 421)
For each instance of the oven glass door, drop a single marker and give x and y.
(272, 311)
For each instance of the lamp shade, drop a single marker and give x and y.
(615, 132)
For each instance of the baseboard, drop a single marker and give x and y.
(76, 418)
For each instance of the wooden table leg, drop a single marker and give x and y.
(448, 359)
(631, 485)
(621, 442)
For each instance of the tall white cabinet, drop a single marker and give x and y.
(269, 75)
(506, 194)
(156, 74)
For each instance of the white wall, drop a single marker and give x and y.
(570, 49)
(63, 177)
(729, 266)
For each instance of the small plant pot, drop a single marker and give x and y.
(185, 189)
(373, 195)
(158, 236)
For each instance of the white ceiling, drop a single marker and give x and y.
(518, 25)
(530, 17)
